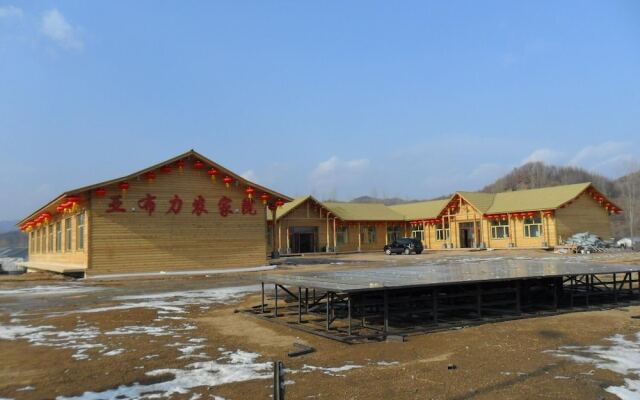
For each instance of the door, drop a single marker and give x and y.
(466, 234)
(303, 239)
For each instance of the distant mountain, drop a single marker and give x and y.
(13, 239)
(536, 175)
(389, 201)
(8, 226)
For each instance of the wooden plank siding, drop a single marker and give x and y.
(137, 241)
(584, 214)
(40, 253)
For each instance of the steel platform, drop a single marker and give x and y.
(372, 303)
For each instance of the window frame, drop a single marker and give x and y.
(80, 231)
(342, 235)
(394, 232)
(534, 221)
(371, 234)
(417, 231)
(442, 231)
(59, 237)
(502, 225)
(50, 238)
(68, 234)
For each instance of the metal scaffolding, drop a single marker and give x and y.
(371, 304)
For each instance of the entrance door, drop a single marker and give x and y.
(466, 234)
(303, 239)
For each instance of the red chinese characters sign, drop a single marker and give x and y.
(199, 205)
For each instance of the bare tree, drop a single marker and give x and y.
(631, 193)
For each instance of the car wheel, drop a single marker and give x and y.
(419, 252)
(387, 252)
(407, 251)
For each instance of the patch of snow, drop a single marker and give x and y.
(26, 389)
(141, 329)
(45, 290)
(113, 352)
(622, 356)
(333, 371)
(235, 366)
(387, 363)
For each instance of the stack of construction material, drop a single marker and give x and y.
(586, 242)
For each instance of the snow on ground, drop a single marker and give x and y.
(231, 367)
(168, 306)
(47, 290)
(621, 356)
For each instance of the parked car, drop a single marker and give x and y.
(404, 246)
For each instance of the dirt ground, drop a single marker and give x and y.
(105, 335)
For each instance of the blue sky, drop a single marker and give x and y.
(338, 99)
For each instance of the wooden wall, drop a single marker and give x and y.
(135, 241)
(310, 214)
(39, 252)
(583, 215)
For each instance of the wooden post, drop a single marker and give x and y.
(386, 233)
(335, 240)
(288, 243)
(359, 238)
(475, 232)
(273, 233)
(279, 236)
(326, 247)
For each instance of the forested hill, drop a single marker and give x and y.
(536, 175)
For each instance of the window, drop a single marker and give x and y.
(533, 226)
(50, 241)
(32, 241)
(371, 234)
(80, 231)
(58, 236)
(342, 235)
(67, 234)
(499, 229)
(42, 239)
(442, 231)
(417, 231)
(36, 239)
(393, 233)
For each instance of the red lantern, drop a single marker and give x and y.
(60, 209)
(279, 202)
(198, 164)
(166, 169)
(100, 192)
(272, 207)
(46, 217)
(150, 176)
(180, 165)
(212, 173)
(264, 197)
(249, 190)
(124, 186)
(227, 181)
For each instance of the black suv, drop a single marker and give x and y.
(404, 246)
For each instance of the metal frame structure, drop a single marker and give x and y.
(341, 306)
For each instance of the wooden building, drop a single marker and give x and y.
(307, 225)
(186, 213)
(536, 218)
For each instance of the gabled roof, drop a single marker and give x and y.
(189, 154)
(549, 198)
(480, 201)
(420, 210)
(288, 207)
(363, 211)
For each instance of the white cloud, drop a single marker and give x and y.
(334, 175)
(56, 28)
(488, 171)
(10, 12)
(598, 152)
(249, 175)
(543, 155)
